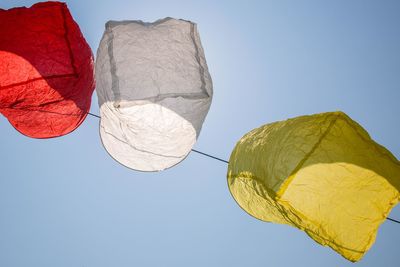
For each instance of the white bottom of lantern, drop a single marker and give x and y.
(145, 136)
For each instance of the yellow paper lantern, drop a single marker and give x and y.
(322, 174)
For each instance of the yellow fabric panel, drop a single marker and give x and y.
(320, 173)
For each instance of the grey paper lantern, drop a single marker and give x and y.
(154, 91)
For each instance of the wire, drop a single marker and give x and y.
(208, 155)
(194, 150)
(222, 160)
(393, 220)
(94, 115)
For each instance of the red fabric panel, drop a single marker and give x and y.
(46, 70)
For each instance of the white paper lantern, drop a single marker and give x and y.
(154, 91)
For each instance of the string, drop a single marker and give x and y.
(393, 220)
(227, 162)
(219, 159)
(208, 155)
(94, 115)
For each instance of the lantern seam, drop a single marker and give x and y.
(293, 173)
(113, 23)
(113, 66)
(135, 148)
(378, 148)
(30, 108)
(38, 79)
(66, 32)
(114, 77)
(201, 68)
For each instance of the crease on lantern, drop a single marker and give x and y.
(126, 126)
(123, 126)
(108, 106)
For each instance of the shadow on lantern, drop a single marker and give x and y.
(46, 72)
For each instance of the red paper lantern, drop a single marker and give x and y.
(46, 70)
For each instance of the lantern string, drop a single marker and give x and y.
(94, 115)
(208, 155)
(222, 160)
(194, 150)
(393, 220)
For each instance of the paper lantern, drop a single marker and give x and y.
(46, 70)
(322, 174)
(154, 91)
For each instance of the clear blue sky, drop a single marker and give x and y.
(66, 202)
